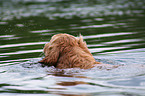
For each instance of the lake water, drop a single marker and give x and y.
(115, 34)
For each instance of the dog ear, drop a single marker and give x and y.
(81, 42)
(52, 57)
(80, 39)
(83, 45)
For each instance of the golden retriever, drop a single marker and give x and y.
(66, 51)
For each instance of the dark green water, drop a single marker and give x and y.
(115, 34)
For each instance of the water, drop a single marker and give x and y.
(114, 32)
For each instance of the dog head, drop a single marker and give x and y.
(61, 44)
(60, 41)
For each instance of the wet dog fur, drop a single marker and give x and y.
(66, 51)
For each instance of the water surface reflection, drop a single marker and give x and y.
(113, 30)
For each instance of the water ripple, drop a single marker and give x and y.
(6, 36)
(93, 26)
(22, 44)
(41, 31)
(46, 8)
(105, 49)
(113, 30)
(122, 41)
(108, 35)
(22, 52)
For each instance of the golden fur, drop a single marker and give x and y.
(66, 51)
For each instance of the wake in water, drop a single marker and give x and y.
(30, 75)
(122, 71)
(128, 64)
